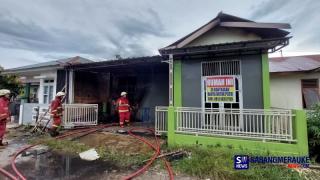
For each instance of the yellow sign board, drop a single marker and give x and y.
(220, 89)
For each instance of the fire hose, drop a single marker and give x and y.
(156, 154)
(88, 131)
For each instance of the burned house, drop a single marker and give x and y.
(145, 79)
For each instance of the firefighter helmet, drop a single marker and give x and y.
(123, 93)
(60, 94)
(4, 92)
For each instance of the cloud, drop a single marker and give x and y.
(137, 26)
(105, 32)
(303, 17)
(266, 7)
(45, 30)
(17, 34)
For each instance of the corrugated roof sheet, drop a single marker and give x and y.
(59, 62)
(294, 63)
(265, 33)
(115, 62)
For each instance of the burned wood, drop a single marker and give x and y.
(175, 153)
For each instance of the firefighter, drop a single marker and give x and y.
(4, 113)
(124, 109)
(56, 113)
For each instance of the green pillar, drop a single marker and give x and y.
(177, 101)
(265, 81)
(300, 131)
(171, 126)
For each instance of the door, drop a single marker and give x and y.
(221, 86)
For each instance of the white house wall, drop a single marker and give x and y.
(223, 35)
(29, 79)
(285, 90)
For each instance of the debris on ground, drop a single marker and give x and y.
(175, 155)
(36, 150)
(121, 131)
(89, 155)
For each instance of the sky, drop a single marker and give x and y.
(33, 31)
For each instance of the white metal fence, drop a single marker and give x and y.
(161, 119)
(80, 115)
(245, 123)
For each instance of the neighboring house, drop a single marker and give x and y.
(294, 81)
(40, 80)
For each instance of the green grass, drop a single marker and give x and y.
(117, 158)
(217, 163)
(121, 159)
(64, 146)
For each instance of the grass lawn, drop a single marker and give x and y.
(217, 163)
(214, 162)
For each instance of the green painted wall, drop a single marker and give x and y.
(241, 144)
(177, 79)
(26, 92)
(265, 81)
(300, 147)
(300, 130)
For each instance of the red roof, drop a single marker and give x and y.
(294, 63)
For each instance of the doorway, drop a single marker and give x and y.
(219, 72)
(221, 92)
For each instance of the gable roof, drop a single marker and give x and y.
(52, 64)
(294, 63)
(265, 30)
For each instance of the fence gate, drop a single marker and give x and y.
(80, 115)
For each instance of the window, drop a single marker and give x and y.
(48, 91)
(34, 93)
(310, 92)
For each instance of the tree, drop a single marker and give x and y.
(10, 82)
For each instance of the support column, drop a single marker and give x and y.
(171, 80)
(171, 120)
(175, 96)
(265, 81)
(71, 87)
(300, 131)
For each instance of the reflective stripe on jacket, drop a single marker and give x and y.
(56, 108)
(123, 104)
(4, 108)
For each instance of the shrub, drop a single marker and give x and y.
(313, 121)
